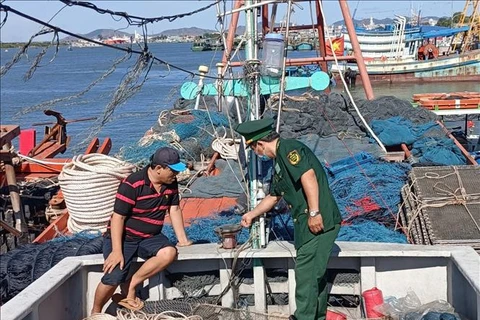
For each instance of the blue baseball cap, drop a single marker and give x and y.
(168, 157)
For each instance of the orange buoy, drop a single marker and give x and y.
(332, 315)
(372, 299)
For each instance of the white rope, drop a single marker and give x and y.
(227, 147)
(374, 136)
(89, 184)
(40, 161)
(166, 315)
(101, 316)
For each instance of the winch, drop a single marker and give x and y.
(228, 235)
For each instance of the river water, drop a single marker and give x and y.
(72, 71)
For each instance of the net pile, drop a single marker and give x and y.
(226, 184)
(442, 205)
(190, 131)
(369, 214)
(23, 265)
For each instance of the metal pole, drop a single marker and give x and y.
(356, 49)
(231, 33)
(321, 36)
(20, 223)
(282, 91)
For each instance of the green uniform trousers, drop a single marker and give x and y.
(310, 276)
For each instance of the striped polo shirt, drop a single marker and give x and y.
(144, 207)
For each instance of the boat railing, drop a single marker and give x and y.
(434, 272)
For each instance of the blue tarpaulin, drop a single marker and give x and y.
(445, 32)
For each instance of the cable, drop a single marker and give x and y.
(130, 18)
(129, 50)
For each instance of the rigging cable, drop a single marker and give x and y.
(130, 18)
(129, 50)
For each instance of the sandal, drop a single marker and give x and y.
(128, 303)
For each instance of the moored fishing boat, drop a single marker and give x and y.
(201, 45)
(415, 53)
(304, 46)
(448, 273)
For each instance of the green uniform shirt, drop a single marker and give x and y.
(292, 161)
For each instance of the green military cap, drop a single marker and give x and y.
(255, 130)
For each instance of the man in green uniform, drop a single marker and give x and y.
(301, 180)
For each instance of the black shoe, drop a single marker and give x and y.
(292, 317)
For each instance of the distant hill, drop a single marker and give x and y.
(109, 33)
(192, 31)
(100, 33)
(384, 21)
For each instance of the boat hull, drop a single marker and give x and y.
(462, 67)
(433, 272)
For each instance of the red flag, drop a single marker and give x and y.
(338, 45)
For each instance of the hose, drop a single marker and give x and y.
(89, 184)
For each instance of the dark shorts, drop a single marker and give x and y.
(144, 249)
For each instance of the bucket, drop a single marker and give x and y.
(372, 298)
(331, 315)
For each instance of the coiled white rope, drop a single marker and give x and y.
(227, 147)
(89, 184)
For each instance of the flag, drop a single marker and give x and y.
(338, 45)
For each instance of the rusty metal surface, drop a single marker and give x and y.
(8, 133)
(444, 205)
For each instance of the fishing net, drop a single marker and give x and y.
(228, 183)
(190, 131)
(22, 266)
(333, 115)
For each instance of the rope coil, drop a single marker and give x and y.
(89, 184)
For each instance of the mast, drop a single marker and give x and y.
(251, 74)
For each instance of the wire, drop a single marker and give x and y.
(129, 50)
(130, 18)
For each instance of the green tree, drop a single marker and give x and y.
(444, 22)
(456, 17)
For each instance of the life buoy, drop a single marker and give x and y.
(383, 58)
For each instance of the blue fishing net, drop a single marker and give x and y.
(370, 231)
(195, 130)
(437, 150)
(398, 130)
(367, 188)
(369, 213)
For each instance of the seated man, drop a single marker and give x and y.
(143, 199)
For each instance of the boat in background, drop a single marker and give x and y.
(405, 53)
(304, 46)
(201, 45)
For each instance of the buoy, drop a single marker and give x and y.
(372, 298)
(332, 315)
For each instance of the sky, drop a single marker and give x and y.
(83, 20)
